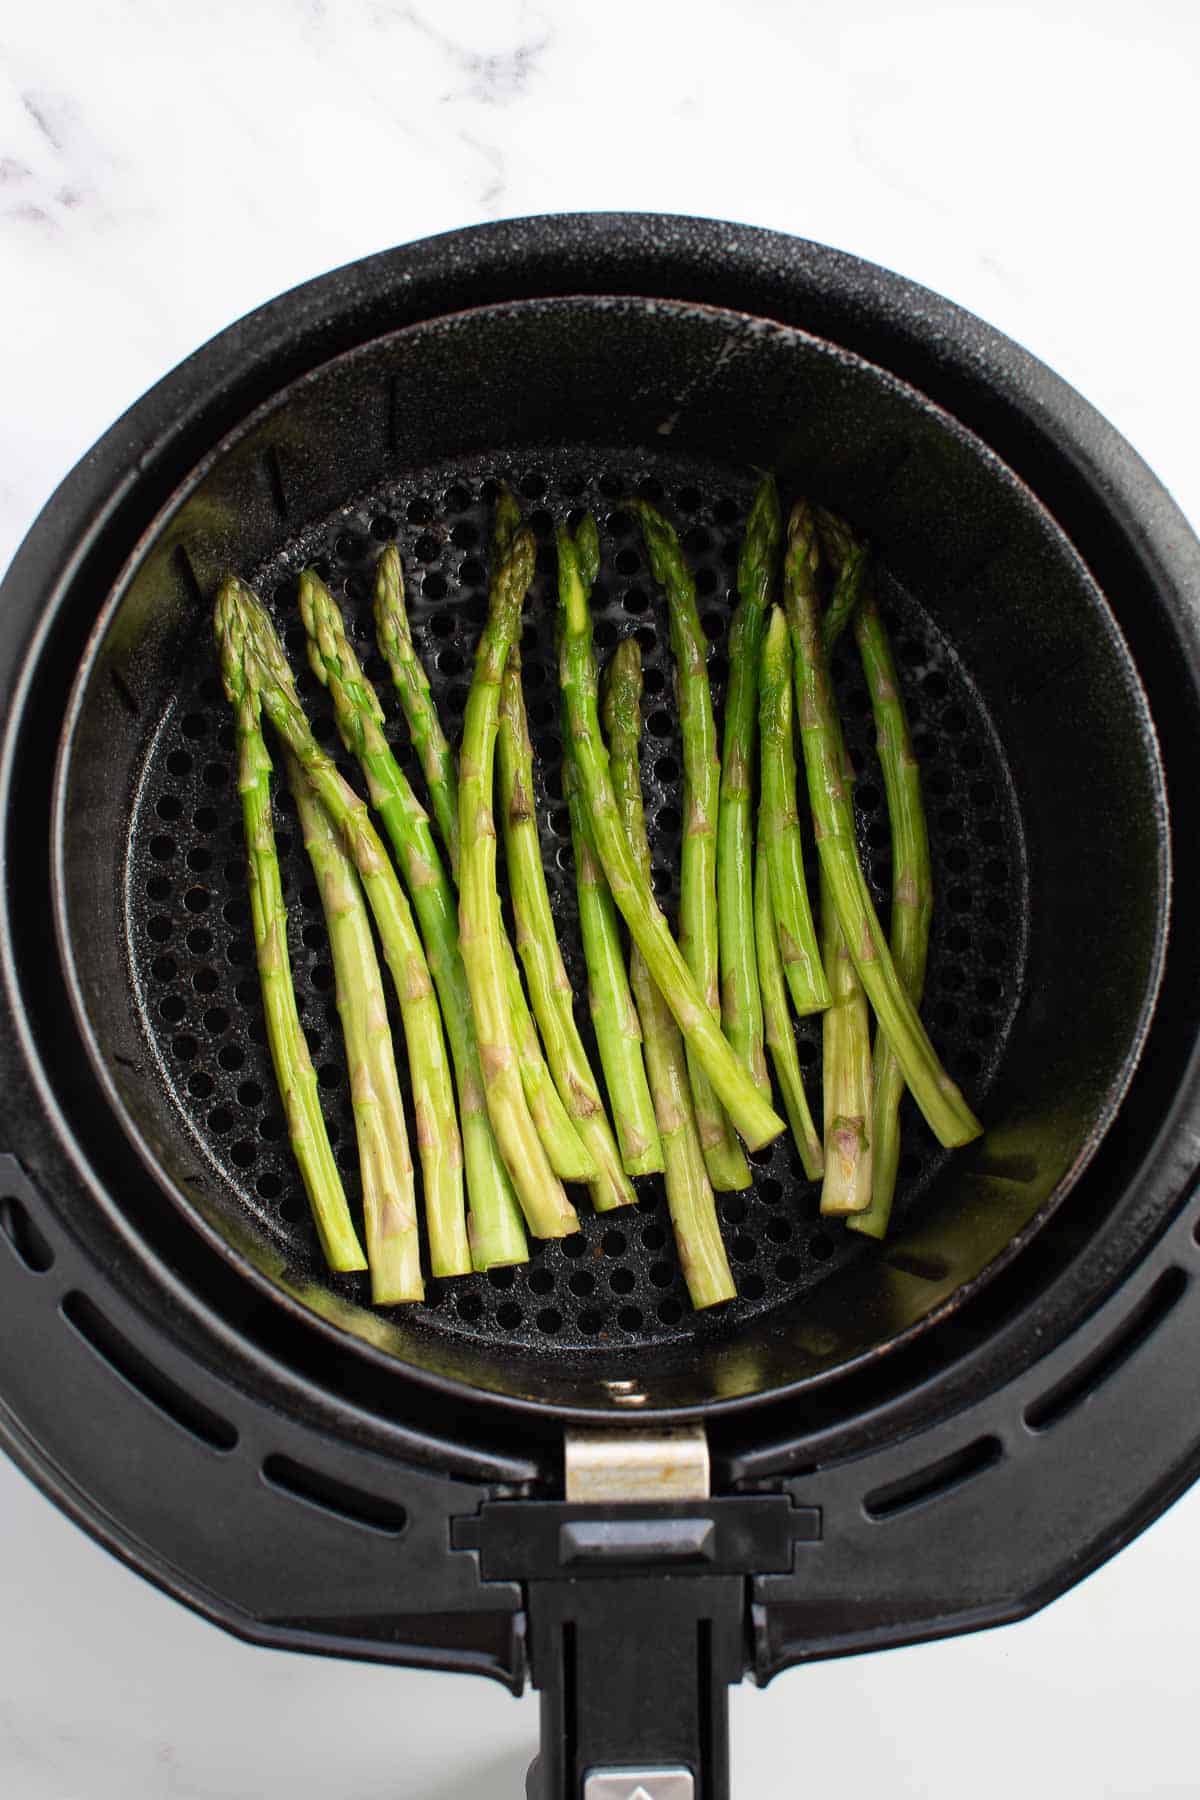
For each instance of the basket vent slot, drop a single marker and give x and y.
(138, 1373)
(1096, 1369)
(336, 1497)
(28, 1244)
(934, 1480)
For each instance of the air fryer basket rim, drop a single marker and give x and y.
(1040, 424)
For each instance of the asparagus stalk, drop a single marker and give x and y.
(846, 1062)
(547, 1210)
(846, 1058)
(537, 945)
(748, 1108)
(495, 1231)
(778, 1020)
(568, 1158)
(416, 698)
(689, 1191)
(294, 1074)
(438, 1143)
(781, 826)
(949, 1116)
(614, 1015)
(385, 1162)
(741, 1000)
(698, 933)
(912, 892)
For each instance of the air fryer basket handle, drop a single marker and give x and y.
(633, 1675)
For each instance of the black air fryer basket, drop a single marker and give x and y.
(873, 1444)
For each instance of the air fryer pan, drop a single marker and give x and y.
(1033, 733)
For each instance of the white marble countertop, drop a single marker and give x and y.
(163, 168)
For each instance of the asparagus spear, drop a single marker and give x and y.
(294, 1073)
(780, 824)
(547, 1209)
(778, 1020)
(846, 1062)
(912, 891)
(748, 1108)
(438, 1143)
(416, 698)
(698, 935)
(567, 1155)
(948, 1114)
(689, 1191)
(537, 944)
(846, 1058)
(741, 1000)
(614, 1016)
(494, 1227)
(385, 1162)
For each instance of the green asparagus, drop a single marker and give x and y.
(698, 933)
(547, 1210)
(947, 1113)
(780, 824)
(777, 1018)
(416, 698)
(748, 1108)
(537, 945)
(689, 1191)
(741, 1000)
(294, 1073)
(846, 1061)
(438, 1143)
(495, 1230)
(385, 1162)
(568, 1157)
(614, 1015)
(912, 891)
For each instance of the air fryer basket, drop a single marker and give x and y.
(905, 1442)
(1033, 731)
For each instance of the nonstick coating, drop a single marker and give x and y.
(1044, 954)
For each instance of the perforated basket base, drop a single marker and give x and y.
(617, 1283)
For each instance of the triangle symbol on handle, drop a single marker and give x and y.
(639, 1793)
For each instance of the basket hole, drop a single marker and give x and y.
(383, 527)
(820, 1246)
(168, 807)
(733, 1209)
(164, 968)
(787, 1268)
(661, 1274)
(470, 1308)
(549, 1320)
(669, 1311)
(231, 1057)
(575, 1245)
(613, 1243)
(508, 1316)
(590, 1322)
(581, 1283)
(184, 1047)
(654, 1237)
(751, 1287)
(269, 1185)
(541, 1281)
(629, 1318)
(622, 1281)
